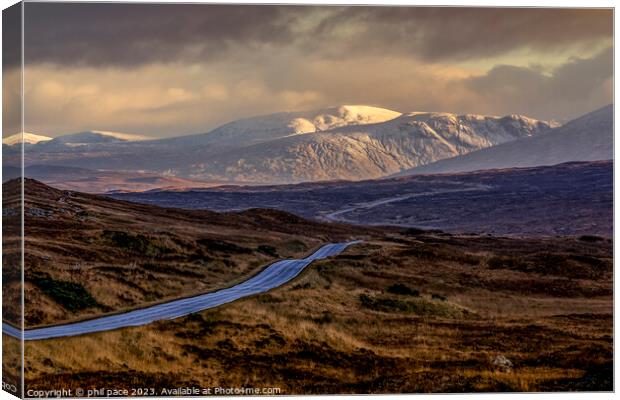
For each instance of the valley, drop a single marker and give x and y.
(405, 310)
(566, 199)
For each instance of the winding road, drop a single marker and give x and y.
(271, 277)
(338, 215)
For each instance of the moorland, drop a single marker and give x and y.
(408, 311)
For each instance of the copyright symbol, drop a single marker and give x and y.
(79, 392)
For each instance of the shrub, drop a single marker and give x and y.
(499, 262)
(590, 238)
(465, 258)
(418, 306)
(299, 286)
(70, 295)
(366, 300)
(413, 231)
(495, 262)
(419, 252)
(223, 246)
(268, 250)
(401, 289)
(136, 243)
(269, 299)
(325, 318)
(551, 263)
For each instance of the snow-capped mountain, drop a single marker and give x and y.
(28, 138)
(587, 138)
(365, 151)
(346, 142)
(264, 128)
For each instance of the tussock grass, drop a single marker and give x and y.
(338, 329)
(87, 254)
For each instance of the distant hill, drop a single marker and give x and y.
(90, 138)
(98, 181)
(74, 139)
(587, 138)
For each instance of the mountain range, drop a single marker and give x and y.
(587, 138)
(367, 151)
(345, 142)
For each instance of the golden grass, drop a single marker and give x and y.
(315, 335)
(128, 255)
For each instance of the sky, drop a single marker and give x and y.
(168, 70)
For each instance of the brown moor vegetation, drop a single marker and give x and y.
(403, 312)
(86, 255)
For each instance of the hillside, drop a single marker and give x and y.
(346, 142)
(587, 138)
(365, 151)
(87, 254)
(408, 313)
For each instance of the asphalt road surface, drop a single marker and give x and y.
(271, 277)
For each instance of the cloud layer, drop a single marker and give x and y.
(130, 34)
(173, 69)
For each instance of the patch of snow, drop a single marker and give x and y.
(30, 138)
(128, 137)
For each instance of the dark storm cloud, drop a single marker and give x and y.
(11, 56)
(436, 33)
(11, 36)
(134, 34)
(568, 91)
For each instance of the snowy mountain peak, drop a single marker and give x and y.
(301, 125)
(355, 115)
(346, 115)
(273, 126)
(29, 138)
